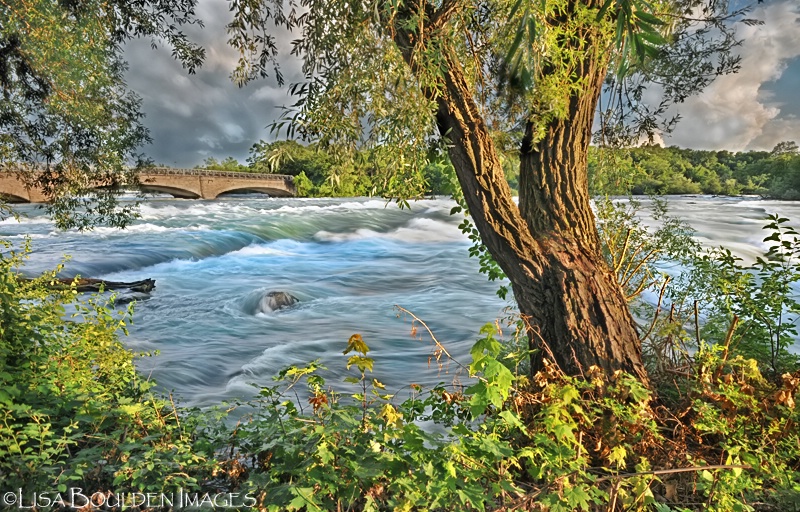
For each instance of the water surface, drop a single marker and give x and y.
(349, 261)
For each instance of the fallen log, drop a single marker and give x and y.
(94, 285)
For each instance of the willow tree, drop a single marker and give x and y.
(396, 73)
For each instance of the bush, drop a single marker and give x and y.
(73, 409)
(556, 443)
(752, 308)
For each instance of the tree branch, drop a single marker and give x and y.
(441, 16)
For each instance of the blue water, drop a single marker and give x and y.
(348, 261)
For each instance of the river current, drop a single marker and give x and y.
(349, 261)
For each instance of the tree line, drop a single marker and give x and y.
(643, 170)
(652, 169)
(324, 172)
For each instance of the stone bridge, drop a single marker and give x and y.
(183, 183)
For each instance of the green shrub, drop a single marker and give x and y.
(752, 308)
(73, 409)
(555, 443)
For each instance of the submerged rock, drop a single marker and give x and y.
(127, 298)
(274, 301)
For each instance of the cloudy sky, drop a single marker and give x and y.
(192, 117)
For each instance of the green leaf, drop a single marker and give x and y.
(479, 399)
(648, 17)
(472, 495)
(500, 377)
(654, 38)
(304, 496)
(356, 343)
(603, 9)
(563, 431)
(570, 393)
(484, 347)
(512, 419)
(512, 55)
(577, 497)
(362, 363)
(514, 8)
(618, 455)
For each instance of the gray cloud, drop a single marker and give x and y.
(194, 117)
(742, 111)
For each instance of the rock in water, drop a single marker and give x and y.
(274, 301)
(127, 298)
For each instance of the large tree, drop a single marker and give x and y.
(396, 73)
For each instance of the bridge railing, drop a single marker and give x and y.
(162, 171)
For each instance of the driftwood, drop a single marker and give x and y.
(94, 285)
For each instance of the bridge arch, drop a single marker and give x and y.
(243, 189)
(13, 198)
(180, 193)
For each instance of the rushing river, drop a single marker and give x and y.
(348, 261)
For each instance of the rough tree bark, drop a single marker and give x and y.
(575, 312)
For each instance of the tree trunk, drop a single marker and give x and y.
(574, 310)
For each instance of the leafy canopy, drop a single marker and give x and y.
(374, 69)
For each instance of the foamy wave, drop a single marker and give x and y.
(26, 220)
(260, 250)
(176, 264)
(148, 228)
(296, 209)
(416, 231)
(156, 211)
(32, 236)
(428, 230)
(192, 209)
(359, 234)
(372, 204)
